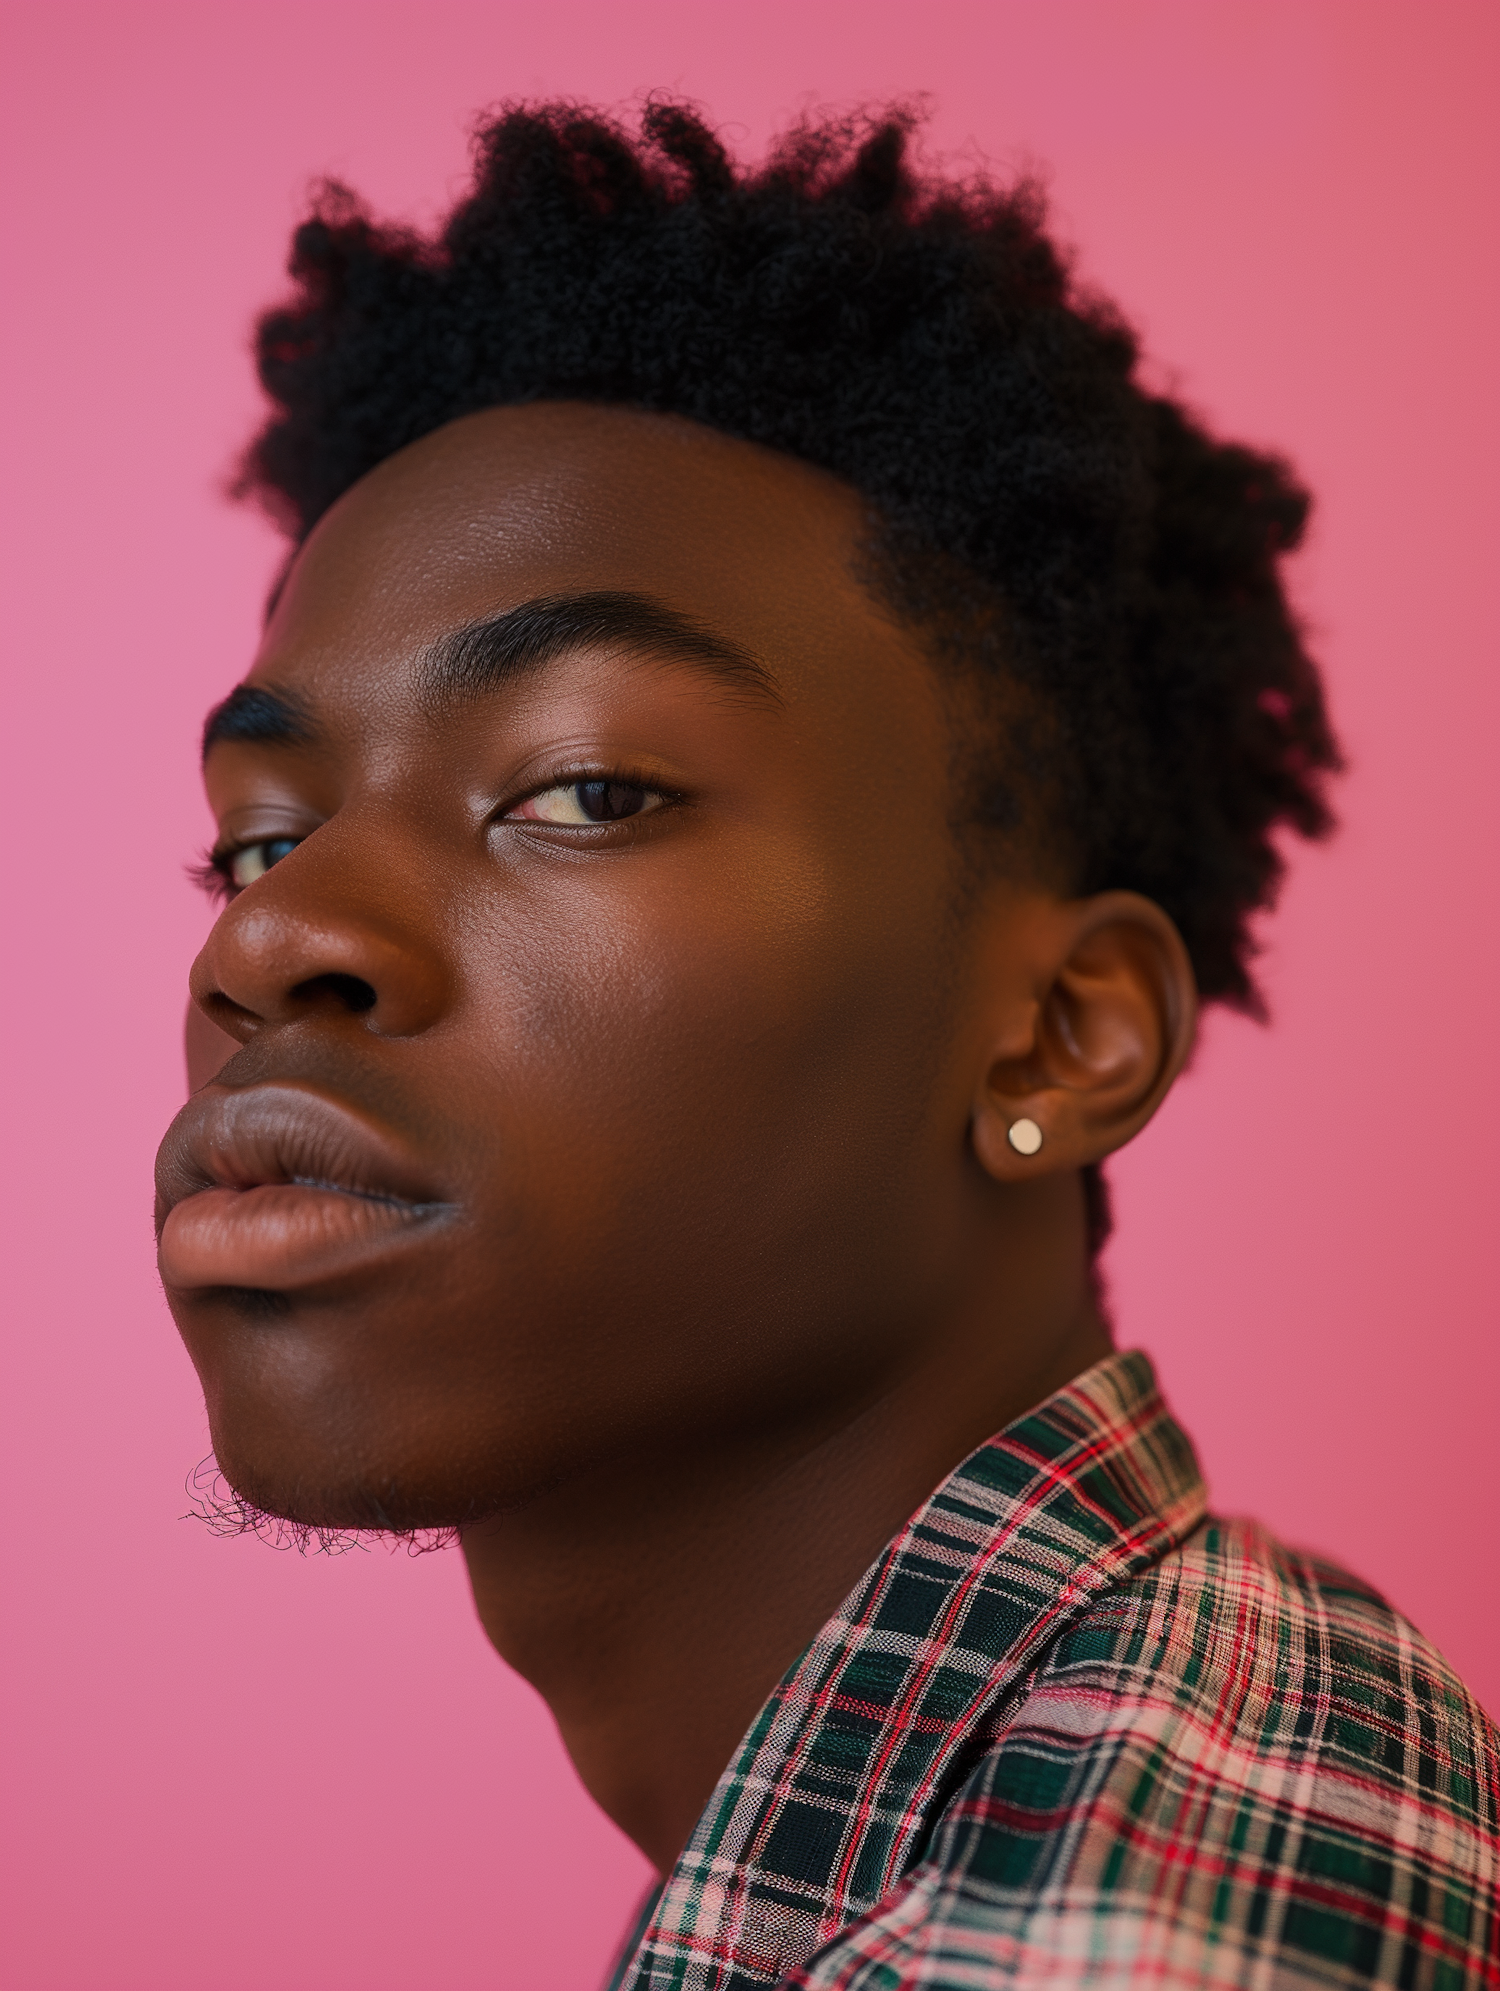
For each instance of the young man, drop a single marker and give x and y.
(767, 734)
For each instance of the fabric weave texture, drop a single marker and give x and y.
(1071, 1729)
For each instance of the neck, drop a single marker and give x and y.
(655, 1601)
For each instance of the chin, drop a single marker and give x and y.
(240, 1496)
(226, 1512)
(315, 1432)
(338, 1475)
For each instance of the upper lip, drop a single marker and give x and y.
(243, 1137)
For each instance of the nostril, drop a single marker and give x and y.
(356, 996)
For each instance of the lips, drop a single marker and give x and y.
(276, 1187)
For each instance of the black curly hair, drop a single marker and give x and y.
(1082, 544)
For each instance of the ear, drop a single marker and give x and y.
(1088, 1051)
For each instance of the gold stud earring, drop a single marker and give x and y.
(1025, 1136)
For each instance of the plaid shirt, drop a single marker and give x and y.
(1070, 1729)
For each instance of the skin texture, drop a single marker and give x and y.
(656, 1222)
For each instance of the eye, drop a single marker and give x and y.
(578, 804)
(253, 860)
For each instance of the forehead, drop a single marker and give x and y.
(513, 503)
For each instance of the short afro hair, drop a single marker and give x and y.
(1082, 539)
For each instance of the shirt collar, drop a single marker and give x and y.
(849, 1763)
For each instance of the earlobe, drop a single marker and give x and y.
(1110, 1027)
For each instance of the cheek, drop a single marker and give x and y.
(206, 1048)
(724, 1085)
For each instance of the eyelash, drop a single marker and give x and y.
(208, 874)
(213, 873)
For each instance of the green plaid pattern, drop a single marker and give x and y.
(1072, 1730)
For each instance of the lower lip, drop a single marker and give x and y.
(278, 1235)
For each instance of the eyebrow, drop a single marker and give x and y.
(257, 713)
(486, 655)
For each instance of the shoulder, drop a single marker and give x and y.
(1240, 1765)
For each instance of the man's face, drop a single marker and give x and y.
(600, 983)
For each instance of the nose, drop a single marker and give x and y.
(318, 935)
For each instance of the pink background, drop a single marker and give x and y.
(235, 1769)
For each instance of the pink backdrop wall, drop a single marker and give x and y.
(226, 1767)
